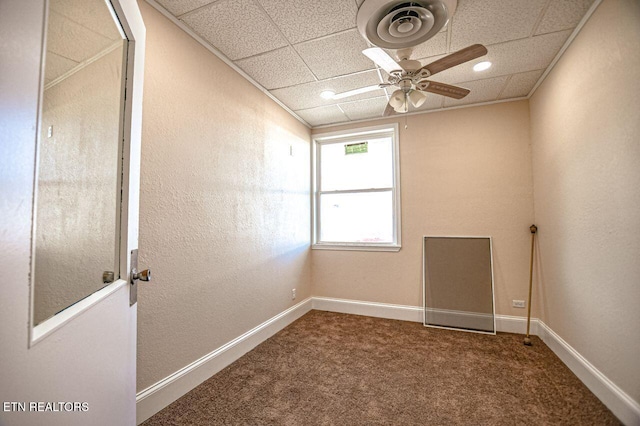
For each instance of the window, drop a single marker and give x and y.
(357, 190)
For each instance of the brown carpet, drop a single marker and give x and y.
(337, 369)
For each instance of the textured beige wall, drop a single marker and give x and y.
(224, 212)
(463, 172)
(77, 186)
(585, 121)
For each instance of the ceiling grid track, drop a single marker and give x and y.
(83, 64)
(449, 35)
(539, 20)
(428, 111)
(329, 79)
(505, 85)
(257, 2)
(343, 111)
(565, 46)
(197, 9)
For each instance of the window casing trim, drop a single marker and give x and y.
(387, 130)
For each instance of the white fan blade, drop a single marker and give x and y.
(355, 92)
(382, 59)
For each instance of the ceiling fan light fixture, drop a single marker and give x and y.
(397, 100)
(482, 66)
(402, 108)
(327, 94)
(417, 98)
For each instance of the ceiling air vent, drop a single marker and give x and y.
(397, 24)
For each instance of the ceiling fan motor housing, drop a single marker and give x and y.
(398, 24)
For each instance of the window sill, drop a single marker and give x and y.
(356, 247)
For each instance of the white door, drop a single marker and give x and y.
(79, 366)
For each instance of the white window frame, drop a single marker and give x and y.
(342, 136)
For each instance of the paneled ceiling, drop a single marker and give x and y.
(77, 32)
(296, 49)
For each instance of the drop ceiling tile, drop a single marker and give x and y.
(92, 14)
(73, 41)
(307, 95)
(520, 84)
(180, 7)
(493, 21)
(563, 15)
(512, 57)
(366, 108)
(278, 68)
(57, 65)
(481, 91)
(322, 115)
(308, 19)
(526, 55)
(338, 54)
(220, 25)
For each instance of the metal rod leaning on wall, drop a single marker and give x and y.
(527, 339)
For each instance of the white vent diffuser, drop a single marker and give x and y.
(397, 24)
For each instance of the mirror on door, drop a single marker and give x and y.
(76, 224)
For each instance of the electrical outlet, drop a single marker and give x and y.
(518, 303)
(293, 294)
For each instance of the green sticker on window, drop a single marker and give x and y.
(356, 148)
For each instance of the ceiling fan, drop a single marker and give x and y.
(410, 76)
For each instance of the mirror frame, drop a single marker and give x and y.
(128, 14)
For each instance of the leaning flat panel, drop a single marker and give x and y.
(458, 283)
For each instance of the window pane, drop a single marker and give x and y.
(356, 169)
(357, 217)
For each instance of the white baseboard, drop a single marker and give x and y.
(621, 405)
(512, 324)
(504, 323)
(370, 309)
(161, 394)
